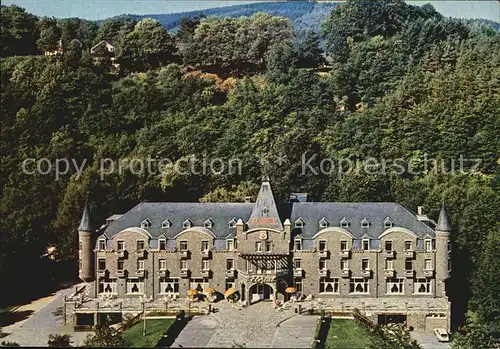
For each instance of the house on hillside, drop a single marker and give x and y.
(105, 49)
(61, 47)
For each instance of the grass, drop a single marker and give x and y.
(347, 334)
(155, 328)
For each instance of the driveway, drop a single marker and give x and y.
(428, 340)
(47, 318)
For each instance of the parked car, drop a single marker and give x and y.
(442, 334)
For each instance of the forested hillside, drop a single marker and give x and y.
(401, 82)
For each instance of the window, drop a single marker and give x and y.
(344, 265)
(359, 285)
(268, 246)
(120, 264)
(428, 245)
(366, 244)
(365, 223)
(388, 223)
(229, 264)
(322, 264)
(408, 246)
(265, 210)
(169, 286)
(140, 264)
(298, 244)
(322, 245)
(449, 247)
(187, 224)
(299, 223)
(389, 264)
(79, 246)
(249, 266)
(323, 223)
(408, 264)
(297, 283)
(365, 264)
(184, 264)
(209, 223)
(343, 245)
(135, 286)
(199, 284)
(162, 264)
(146, 223)
(102, 244)
(422, 286)
(163, 244)
(449, 265)
(232, 223)
(183, 245)
(101, 264)
(204, 245)
(140, 245)
(205, 264)
(258, 246)
(329, 285)
(120, 245)
(229, 283)
(107, 286)
(388, 245)
(297, 263)
(428, 264)
(166, 224)
(395, 286)
(344, 223)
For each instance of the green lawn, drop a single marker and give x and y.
(345, 334)
(154, 331)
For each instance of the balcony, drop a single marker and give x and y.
(206, 273)
(184, 273)
(366, 273)
(205, 254)
(101, 272)
(121, 273)
(323, 273)
(230, 273)
(184, 254)
(345, 254)
(389, 273)
(409, 254)
(345, 273)
(389, 254)
(409, 273)
(428, 273)
(163, 272)
(323, 254)
(298, 272)
(140, 273)
(121, 254)
(141, 253)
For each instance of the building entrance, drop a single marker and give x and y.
(260, 292)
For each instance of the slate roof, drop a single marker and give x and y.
(443, 223)
(220, 213)
(375, 212)
(85, 224)
(265, 209)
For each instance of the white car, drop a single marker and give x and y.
(442, 335)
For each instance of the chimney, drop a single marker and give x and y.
(248, 199)
(420, 210)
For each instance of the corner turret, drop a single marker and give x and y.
(85, 250)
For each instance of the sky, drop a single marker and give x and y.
(101, 9)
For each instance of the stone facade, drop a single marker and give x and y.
(388, 259)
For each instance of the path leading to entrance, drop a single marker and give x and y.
(257, 326)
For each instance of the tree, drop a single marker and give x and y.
(308, 52)
(18, 30)
(393, 337)
(59, 340)
(475, 336)
(106, 337)
(50, 35)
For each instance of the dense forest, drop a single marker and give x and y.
(392, 81)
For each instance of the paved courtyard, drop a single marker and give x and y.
(46, 319)
(428, 340)
(257, 326)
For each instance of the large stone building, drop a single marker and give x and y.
(378, 257)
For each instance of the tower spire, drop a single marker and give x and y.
(265, 212)
(85, 224)
(443, 223)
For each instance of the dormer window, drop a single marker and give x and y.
(166, 224)
(102, 245)
(388, 223)
(232, 223)
(323, 223)
(187, 224)
(365, 223)
(146, 223)
(299, 223)
(162, 244)
(230, 244)
(209, 223)
(265, 211)
(344, 223)
(298, 244)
